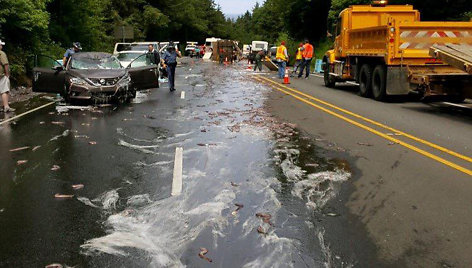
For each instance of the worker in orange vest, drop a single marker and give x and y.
(282, 59)
(298, 59)
(307, 53)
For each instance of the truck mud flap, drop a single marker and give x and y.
(397, 81)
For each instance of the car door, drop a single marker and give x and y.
(143, 73)
(48, 75)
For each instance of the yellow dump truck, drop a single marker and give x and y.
(386, 50)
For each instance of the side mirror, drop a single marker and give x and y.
(58, 68)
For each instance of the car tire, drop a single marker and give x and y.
(365, 81)
(379, 83)
(329, 81)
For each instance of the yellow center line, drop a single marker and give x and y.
(376, 132)
(430, 144)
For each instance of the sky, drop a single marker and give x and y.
(232, 7)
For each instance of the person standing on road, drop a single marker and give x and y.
(5, 79)
(169, 61)
(307, 54)
(259, 57)
(153, 55)
(76, 48)
(298, 60)
(282, 59)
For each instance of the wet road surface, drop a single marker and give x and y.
(234, 152)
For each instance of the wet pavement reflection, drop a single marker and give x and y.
(96, 193)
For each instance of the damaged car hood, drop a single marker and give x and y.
(98, 73)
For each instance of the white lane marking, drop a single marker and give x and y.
(182, 95)
(178, 165)
(457, 105)
(25, 113)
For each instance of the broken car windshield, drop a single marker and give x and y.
(95, 63)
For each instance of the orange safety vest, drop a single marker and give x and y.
(299, 54)
(281, 53)
(308, 52)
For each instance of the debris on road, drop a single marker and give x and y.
(92, 142)
(261, 230)
(392, 143)
(65, 109)
(19, 149)
(240, 206)
(203, 252)
(63, 196)
(364, 144)
(234, 184)
(207, 144)
(312, 165)
(77, 186)
(42, 123)
(64, 134)
(394, 134)
(55, 168)
(265, 218)
(21, 162)
(81, 136)
(332, 215)
(59, 123)
(235, 128)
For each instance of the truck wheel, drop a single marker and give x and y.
(328, 80)
(379, 83)
(365, 81)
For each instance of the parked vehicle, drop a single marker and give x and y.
(163, 46)
(256, 47)
(273, 54)
(386, 49)
(135, 46)
(126, 57)
(144, 46)
(94, 76)
(246, 50)
(190, 50)
(121, 47)
(209, 42)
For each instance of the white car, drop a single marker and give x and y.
(126, 57)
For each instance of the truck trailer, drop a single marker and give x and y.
(386, 50)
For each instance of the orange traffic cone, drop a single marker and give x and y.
(286, 77)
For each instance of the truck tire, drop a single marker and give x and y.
(379, 83)
(329, 81)
(365, 81)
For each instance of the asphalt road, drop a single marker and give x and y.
(268, 179)
(411, 169)
(253, 194)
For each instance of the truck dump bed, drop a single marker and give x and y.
(459, 56)
(408, 43)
